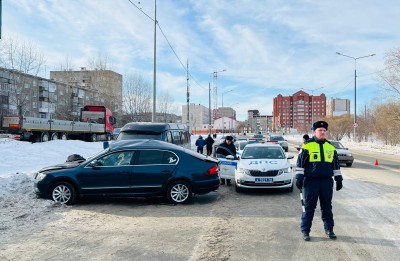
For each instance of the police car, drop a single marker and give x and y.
(264, 165)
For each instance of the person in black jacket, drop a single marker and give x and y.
(317, 163)
(231, 150)
(209, 141)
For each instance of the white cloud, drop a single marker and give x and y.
(264, 45)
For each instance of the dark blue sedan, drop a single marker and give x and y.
(131, 168)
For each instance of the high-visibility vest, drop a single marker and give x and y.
(314, 151)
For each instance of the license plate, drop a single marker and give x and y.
(264, 180)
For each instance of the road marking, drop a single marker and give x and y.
(379, 166)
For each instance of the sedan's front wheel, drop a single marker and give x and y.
(179, 192)
(64, 193)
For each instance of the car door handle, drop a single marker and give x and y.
(166, 171)
(124, 172)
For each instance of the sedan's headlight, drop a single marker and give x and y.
(243, 171)
(285, 170)
(350, 155)
(41, 175)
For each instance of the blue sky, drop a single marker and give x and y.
(268, 47)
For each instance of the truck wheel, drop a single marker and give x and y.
(44, 136)
(54, 136)
(63, 136)
(93, 137)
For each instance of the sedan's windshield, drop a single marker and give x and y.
(337, 145)
(263, 153)
(242, 145)
(276, 138)
(130, 135)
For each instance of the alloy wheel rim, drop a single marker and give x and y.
(179, 193)
(61, 194)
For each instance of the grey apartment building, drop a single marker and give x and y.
(33, 96)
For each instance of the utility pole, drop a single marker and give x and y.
(209, 104)
(153, 115)
(187, 90)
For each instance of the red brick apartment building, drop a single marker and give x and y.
(297, 111)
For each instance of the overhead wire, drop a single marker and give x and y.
(169, 44)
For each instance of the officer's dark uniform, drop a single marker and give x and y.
(231, 149)
(317, 163)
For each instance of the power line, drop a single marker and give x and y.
(140, 9)
(169, 44)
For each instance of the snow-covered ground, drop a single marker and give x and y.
(20, 160)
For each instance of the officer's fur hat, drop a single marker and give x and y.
(320, 124)
(229, 138)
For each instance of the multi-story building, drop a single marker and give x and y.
(33, 96)
(198, 116)
(298, 111)
(337, 107)
(226, 112)
(106, 83)
(225, 125)
(258, 123)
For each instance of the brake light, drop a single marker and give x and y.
(213, 171)
(273, 141)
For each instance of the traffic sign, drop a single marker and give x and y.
(355, 125)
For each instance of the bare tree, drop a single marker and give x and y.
(390, 76)
(339, 126)
(137, 98)
(240, 127)
(102, 80)
(23, 57)
(165, 105)
(387, 123)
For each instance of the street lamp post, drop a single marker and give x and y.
(355, 88)
(223, 121)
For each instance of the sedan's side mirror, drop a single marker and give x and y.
(289, 156)
(95, 164)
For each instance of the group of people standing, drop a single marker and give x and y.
(208, 143)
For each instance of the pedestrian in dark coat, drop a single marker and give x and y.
(228, 143)
(317, 163)
(200, 144)
(209, 141)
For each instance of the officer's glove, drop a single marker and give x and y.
(339, 185)
(299, 183)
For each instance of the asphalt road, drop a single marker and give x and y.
(222, 225)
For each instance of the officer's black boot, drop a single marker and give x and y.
(330, 234)
(306, 236)
(228, 182)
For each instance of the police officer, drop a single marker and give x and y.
(317, 163)
(231, 150)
